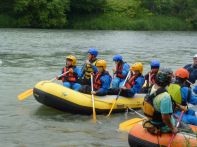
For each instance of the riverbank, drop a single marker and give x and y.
(119, 22)
(115, 22)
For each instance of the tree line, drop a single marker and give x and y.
(58, 13)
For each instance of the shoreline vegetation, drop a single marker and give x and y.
(172, 15)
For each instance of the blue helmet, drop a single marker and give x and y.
(93, 51)
(155, 64)
(117, 58)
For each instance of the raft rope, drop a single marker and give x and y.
(132, 111)
(126, 113)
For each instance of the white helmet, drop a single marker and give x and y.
(195, 56)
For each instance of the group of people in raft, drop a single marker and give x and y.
(167, 92)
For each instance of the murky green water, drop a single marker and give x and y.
(28, 56)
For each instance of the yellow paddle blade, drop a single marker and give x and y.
(94, 115)
(111, 108)
(25, 94)
(127, 125)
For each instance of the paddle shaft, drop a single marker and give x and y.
(59, 76)
(177, 125)
(149, 79)
(123, 85)
(191, 84)
(93, 106)
(118, 94)
(137, 112)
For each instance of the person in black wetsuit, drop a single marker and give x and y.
(192, 69)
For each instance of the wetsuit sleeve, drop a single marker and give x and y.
(125, 69)
(187, 66)
(138, 85)
(185, 98)
(105, 80)
(83, 69)
(193, 100)
(94, 69)
(184, 94)
(78, 72)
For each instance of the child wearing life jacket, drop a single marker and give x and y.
(133, 84)
(181, 95)
(158, 106)
(120, 72)
(70, 79)
(150, 76)
(89, 67)
(101, 80)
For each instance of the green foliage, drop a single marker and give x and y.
(162, 7)
(100, 14)
(6, 7)
(128, 8)
(7, 21)
(185, 9)
(121, 22)
(41, 13)
(87, 6)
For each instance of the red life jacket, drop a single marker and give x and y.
(129, 84)
(119, 67)
(97, 80)
(69, 77)
(152, 78)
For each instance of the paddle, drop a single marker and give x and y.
(191, 84)
(127, 125)
(29, 92)
(137, 112)
(173, 135)
(25, 94)
(93, 107)
(118, 95)
(149, 79)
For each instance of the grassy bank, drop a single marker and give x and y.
(115, 22)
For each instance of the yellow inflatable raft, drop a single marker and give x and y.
(65, 99)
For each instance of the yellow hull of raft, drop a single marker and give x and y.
(65, 99)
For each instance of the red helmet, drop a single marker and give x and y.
(182, 73)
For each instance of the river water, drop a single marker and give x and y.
(28, 56)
